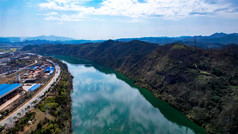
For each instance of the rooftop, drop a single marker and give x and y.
(34, 87)
(8, 88)
(33, 68)
(49, 69)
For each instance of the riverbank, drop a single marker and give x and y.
(53, 113)
(201, 83)
(105, 101)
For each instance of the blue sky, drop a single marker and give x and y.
(104, 19)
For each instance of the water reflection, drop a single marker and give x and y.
(102, 103)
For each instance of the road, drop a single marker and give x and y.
(23, 109)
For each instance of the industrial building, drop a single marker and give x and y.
(50, 70)
(30, 80)
(33, 88)
(7, 91)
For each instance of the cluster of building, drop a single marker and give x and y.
(38, 71)
(6, 58)
(32, 79)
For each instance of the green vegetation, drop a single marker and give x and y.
(57, 104)
(7, 49)
(204, 72)
(203, 84)
(20, 124)
(178, 46)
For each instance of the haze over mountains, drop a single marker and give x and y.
(213, 41)
(43, 37)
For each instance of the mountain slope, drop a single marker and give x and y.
(203, 84)
(112, 53)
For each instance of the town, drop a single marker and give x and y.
(24, 79)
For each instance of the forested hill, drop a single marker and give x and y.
(112, 53)
(203, 84)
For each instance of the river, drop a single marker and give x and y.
(104, 101)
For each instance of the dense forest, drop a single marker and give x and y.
(201, 83)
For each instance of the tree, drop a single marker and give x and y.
(39, 126)
(15, 117)
(35, 101)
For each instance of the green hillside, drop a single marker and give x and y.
(203, 84)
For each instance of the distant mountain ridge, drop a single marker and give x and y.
(212, 41)
(215, 40)
(50, 38)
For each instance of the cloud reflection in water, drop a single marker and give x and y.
(103, 103)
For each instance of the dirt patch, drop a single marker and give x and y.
(39, 117)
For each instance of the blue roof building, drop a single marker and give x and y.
(33, 68)
(50, 70)
(47, 69)
(6, 89)
(34, 87)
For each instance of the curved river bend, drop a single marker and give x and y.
(104, 101)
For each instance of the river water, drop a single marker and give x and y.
(106, 102)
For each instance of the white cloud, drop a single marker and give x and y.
(74, 17)
(166, 9)
(50, 14)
